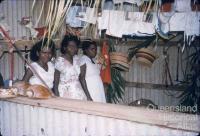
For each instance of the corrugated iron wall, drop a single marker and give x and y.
(14, 10)
(25, 120)
(5, 66)
(154, 75)
(137, 73)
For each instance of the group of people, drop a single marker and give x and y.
(69, 75)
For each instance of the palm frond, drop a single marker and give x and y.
(117, 86)
(191, 95)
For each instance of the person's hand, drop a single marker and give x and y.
(100, 59)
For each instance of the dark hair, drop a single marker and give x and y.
(86, 44)
(66, 40)
(39, 46)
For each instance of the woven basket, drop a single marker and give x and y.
(146, 57)
(119, 61)
(143, 55)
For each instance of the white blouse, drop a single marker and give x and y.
(69, 85)
(47, 76)
(93, 79)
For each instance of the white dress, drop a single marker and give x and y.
(93, 80)
(69, 85)
(47, 76)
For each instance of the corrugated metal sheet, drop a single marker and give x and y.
(13, 11)
(154, 75)
(25, 120)
(5, 66)
(137, 73)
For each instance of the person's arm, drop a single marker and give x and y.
(83, 82)
(56, 82)
(27, 75)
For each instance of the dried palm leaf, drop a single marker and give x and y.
(38, 20)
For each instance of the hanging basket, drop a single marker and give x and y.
(120, 61)
(146, 57)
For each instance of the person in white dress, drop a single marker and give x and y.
(90, 72)
(67, 71)
(41, 54)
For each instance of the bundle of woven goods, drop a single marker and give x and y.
(25, 89)
(119, 60)
(8, 93)
(32, 91)
(146, 56)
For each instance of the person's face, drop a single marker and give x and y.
(45, 55)
(92, 51)
(72, 48)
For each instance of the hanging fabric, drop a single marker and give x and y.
(73, 14)
(182, 5)
(105, 72)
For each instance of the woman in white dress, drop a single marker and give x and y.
(90, 72)
(67, 70)
(41, 54)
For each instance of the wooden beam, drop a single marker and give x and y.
(21, 44)
(29, 43)
(155, 86)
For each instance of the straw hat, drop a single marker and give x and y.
(119, 61)
(146, 57)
